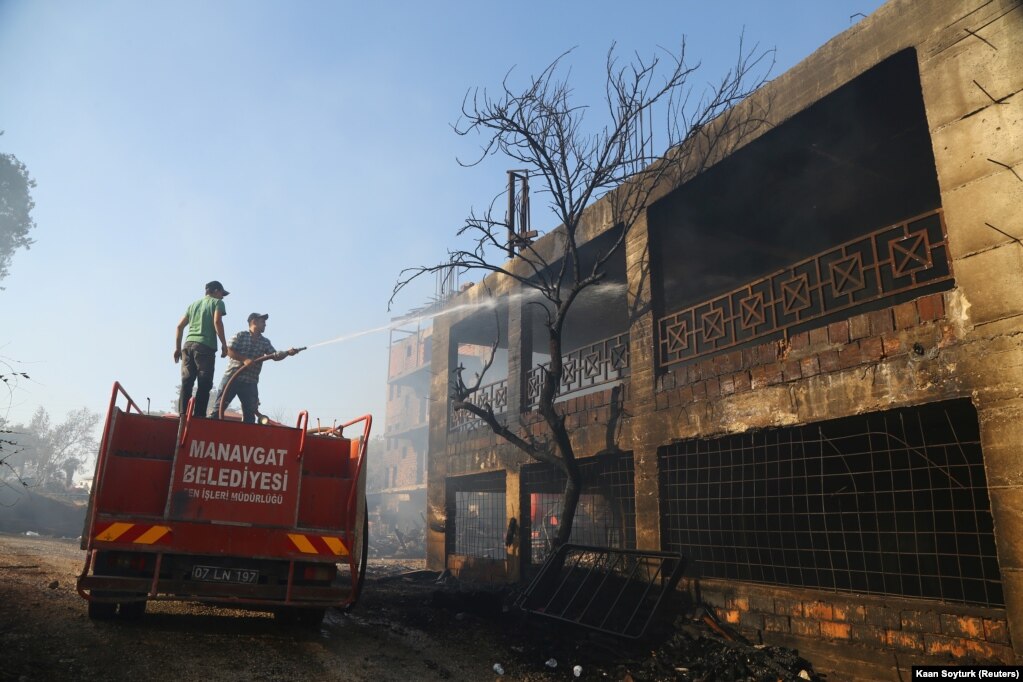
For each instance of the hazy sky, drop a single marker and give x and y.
(300, 152)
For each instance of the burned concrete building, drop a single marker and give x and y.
(805, 372)
(396, 492)
(397, 495)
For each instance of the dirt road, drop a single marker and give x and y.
(394, 634)
(407, 626)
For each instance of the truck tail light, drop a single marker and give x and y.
(131, 562)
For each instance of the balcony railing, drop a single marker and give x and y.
(587, 368)
(889, 261)
(495, 395)
(602, 362)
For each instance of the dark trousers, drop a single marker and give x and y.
(196, 364)
(247, 392)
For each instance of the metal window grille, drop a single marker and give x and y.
(890, 503)
(605, 516)
(476, 515)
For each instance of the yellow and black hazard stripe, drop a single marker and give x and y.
(135, 533)
(318, 544)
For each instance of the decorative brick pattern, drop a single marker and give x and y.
(873, 267)
(860, 340)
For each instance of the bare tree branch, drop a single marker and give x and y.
(539, 127)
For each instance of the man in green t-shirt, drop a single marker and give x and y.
(204, 320)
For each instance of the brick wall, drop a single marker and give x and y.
(905, 626)
(409, 354)
(927, 628)
(406, 409)
(862, 339)
(401, 467)
(476, 449)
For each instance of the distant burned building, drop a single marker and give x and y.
(399, 494)
(397, 484)
(805, 374)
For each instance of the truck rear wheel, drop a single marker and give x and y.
(363, 559)
(100, 610)
(132, 610)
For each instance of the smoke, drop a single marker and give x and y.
(529, 296)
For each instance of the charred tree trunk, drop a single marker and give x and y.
(562, 440)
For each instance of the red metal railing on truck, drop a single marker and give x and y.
(97, 479)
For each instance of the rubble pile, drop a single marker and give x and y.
(693, 646)
(692, 654)
(397, 543)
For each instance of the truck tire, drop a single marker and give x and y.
(363, 559)
(131, 610)
(99, 610)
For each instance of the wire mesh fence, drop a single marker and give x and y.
(890, 503)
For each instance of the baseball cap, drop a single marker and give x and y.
(216, 286)
(256, 316)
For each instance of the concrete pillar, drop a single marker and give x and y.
(1001, 438)
(520, 356)
(642, 381)
(971, 92)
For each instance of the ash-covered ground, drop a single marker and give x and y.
(409, 624)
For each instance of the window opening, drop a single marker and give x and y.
(891, 503)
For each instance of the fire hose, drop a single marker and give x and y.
(332, 431)
(262, 358)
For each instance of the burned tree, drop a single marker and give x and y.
(9, 445)
(542, 131)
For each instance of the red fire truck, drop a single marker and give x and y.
(260, 516)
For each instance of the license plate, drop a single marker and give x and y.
(218, 574)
